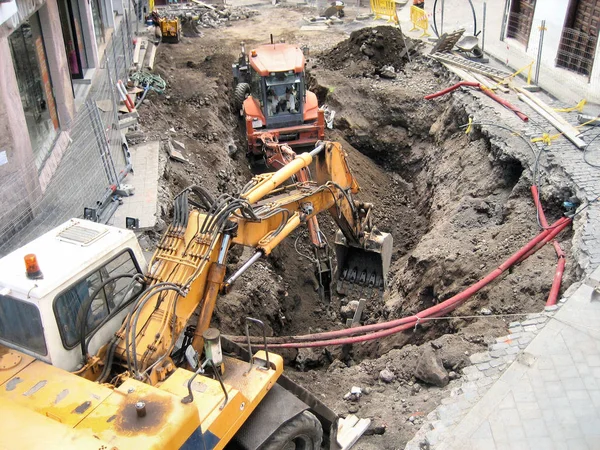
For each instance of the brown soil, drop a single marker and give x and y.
(455, 205)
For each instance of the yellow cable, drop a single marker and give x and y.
(469, 126)
(578, 107)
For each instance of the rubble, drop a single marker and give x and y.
(197, 15)
(430, 369)
(387, 376)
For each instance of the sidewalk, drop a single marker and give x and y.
(549, 398)
(537, 392)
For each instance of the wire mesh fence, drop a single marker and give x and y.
(576, 51)
(87, 163)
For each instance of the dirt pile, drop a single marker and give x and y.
(374, 50)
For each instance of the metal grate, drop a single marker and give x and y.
(79, 234)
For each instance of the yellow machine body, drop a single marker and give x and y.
(45, 407)
(131, 394)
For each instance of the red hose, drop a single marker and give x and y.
(340, 337)
(451, 88)
(504, 103)
(560, 254)
(486, 91)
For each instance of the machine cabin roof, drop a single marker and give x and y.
(62, 254)
(269, 58)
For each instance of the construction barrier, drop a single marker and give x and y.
(385, 9)
(418, 17)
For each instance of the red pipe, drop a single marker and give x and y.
(560, 254)
(451, 88)
(486, 91)
(504, 103)
(560, 269)
(388, 328)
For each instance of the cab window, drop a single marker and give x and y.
(21, 324)
(106, 302)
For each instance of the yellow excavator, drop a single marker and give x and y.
(100, 351)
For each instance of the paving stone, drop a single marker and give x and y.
(483, 366)
(529, 322)
(469, 370)
(491, 371)
(525, 340)
(497, 353)
(496, 362)
(535, 428)
(479, 358)
(531, 328)
(499, 346)
(474, 376)
(512, 350)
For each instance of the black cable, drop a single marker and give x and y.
(585, 153)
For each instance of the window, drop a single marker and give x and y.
(107, 302)
(283, 93)
(35, 86)
(21, 324)
(256, 87)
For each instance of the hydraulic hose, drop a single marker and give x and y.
(84, 310)
(384, 329)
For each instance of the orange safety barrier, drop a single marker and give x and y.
(418, 17)
(385, 9)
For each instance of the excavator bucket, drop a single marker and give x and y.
(363, 269)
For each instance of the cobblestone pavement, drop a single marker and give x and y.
(548, 398)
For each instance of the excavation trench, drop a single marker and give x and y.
(457, 206)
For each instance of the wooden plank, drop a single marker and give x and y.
(205, 5)
(467, 76)
(556, 124)
(350, 430)
(151, 58)
(484, 82)
(136, 52)
(546, 107)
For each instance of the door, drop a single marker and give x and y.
(580, 36)
(520, 20)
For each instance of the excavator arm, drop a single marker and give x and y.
(187, 271)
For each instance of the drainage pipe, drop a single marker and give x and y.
(384, 329)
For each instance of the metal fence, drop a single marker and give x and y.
(88, 160)
(576, 51)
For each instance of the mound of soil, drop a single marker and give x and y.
(379, 47)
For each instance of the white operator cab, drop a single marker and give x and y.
(39, 316)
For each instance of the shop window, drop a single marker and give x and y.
(70, 22)
(35, 86)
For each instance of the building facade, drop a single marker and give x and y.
(567, 49)
(50, 52)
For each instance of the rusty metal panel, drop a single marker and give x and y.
(166, 422)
